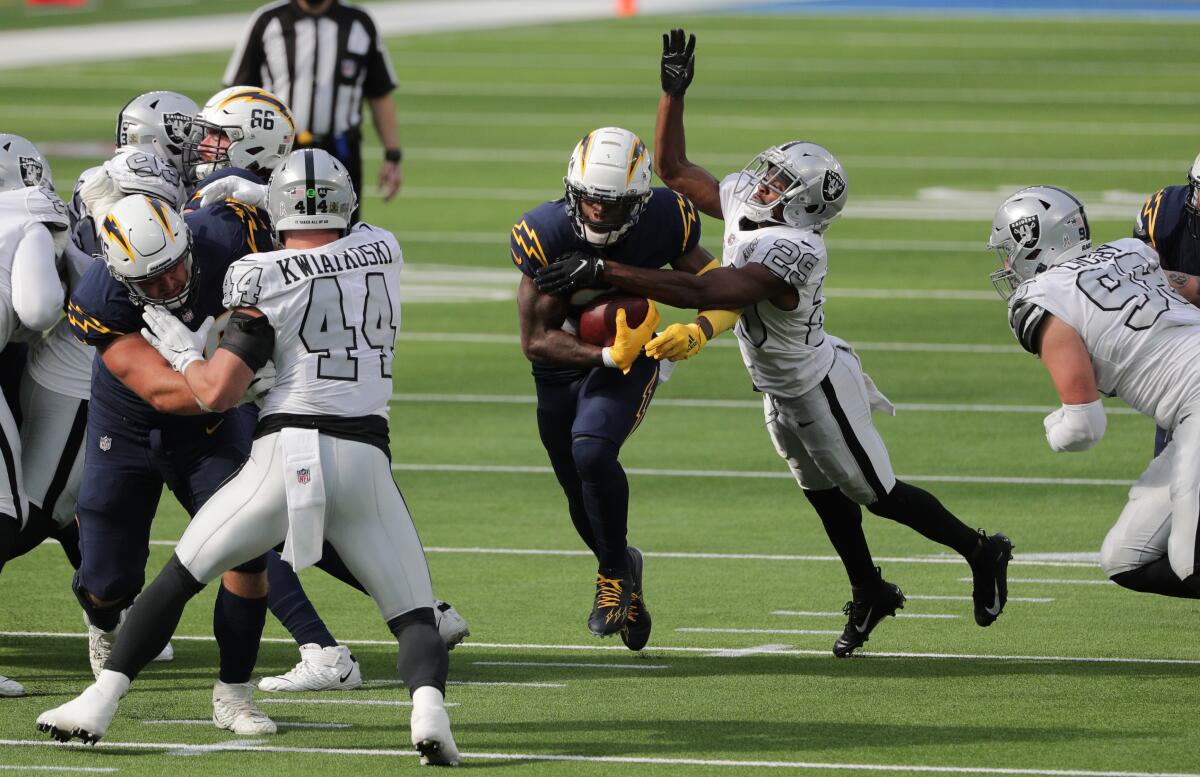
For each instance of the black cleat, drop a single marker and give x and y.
(864, 613)
(611, 608)
(63, 735)
(989, 568)
(636, 633)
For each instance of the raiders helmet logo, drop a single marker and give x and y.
(177, 126)
(1026, 231)
(833, 186)
(31, 170)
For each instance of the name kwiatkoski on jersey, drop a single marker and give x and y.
(301, 266)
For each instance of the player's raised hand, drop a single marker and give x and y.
(629, 342)
(677, 342)
(232, 187)
(575, 270)
(678, 62)
(170, 337)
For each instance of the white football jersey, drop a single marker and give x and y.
(19, 208)
(1144, 339)
(785, 351)
(335, 311)
(59, 361)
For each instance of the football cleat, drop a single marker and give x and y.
(86, 717)
(10, 687)
(234, 710)
(330, 668)
(636, 633)
(611, 607)
(452, 626)
(430, 727)
(100, 643)
(989, 568)
(864, 613)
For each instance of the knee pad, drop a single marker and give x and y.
(593, 456)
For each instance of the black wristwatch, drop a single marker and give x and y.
(392, 155)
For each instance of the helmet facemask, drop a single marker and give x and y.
(1005, 280)
(621, 212)
(207, 149)
(172, 301)
(1191, 205)
(767, 178)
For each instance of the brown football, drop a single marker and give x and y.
(598, 321)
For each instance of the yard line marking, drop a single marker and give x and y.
(510, 469)
(1044, 581)
(254, 746)
(23, 768)
(750, 651)
(208, 722)
(933, 598)
(570, 665)
(354, 702)
(839, 614)
(809, 632)
(400, 683)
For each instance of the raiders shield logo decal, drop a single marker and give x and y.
(31, 170)
(177, 126)
(833, 186)
(1026, 231)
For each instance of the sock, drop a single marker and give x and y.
(153, 620)
(606, 498)
(37, 528)
(112, 684)
(291, 606)
(238, 626)
(920, 511)
(9, 531)
(1157, 577)
(842, 519)
(423, 660)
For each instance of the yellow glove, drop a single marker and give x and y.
(628, 342)
(678, 342)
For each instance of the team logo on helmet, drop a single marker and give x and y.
(833, 186)
(1026, 231)
(31, 170)
(177, 126)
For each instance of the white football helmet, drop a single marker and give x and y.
(804, 178)
(1034, 229)
(21, 164)
(142, 238)
(310, 190)
(1191, 206)
(158, 123)
(609, 166)
(242, 126)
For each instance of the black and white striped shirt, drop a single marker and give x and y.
(321, 66)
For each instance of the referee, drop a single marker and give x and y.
(322, 57)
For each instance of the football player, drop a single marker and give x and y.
(1108, 321)
(816, 398)
(591, 398)
(325, 310)
(33, 228)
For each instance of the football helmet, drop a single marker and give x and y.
(21, 164)
(609, 167)
(1191, 206)
(804, 178)
(159, 123)
(141, 239)
(242, 126)
(1034, 229)
(310, 190)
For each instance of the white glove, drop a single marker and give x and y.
(1075, 427)
(234, 187)
(178, 345)
(262, 382)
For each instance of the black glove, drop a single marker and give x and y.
(678, 62)
(572, 271)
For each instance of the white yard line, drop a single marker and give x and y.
(933, 598)
(261, 746)
(350, 702)
(750, 651)
(90, 769)
(280, 723)
(812, 614)
(797, 632)
(484, 338)
(1047, 581)
(570, 665)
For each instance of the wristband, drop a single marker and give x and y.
(606, 355)
(393, 155)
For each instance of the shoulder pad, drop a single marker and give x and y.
(538, 237)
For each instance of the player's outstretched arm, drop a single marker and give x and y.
(1080, 422)
(219, 383)
(683, 341)
(134, 362)
(542, 336)
(670, 150)
(1186, 286)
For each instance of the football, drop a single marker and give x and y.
(598, 321)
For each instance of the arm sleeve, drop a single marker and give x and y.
(381, 78)
(251, 339)
(36, 289)
(245, 66)
(1025, 318)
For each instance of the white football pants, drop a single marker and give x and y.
(52, 433)
(12, 489)
(366, 521)
(827, 437)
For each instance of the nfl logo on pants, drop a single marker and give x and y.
(302, 476)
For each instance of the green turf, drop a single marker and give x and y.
(488, 120)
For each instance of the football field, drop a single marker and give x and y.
(936, 120)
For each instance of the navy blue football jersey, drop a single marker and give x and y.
(668, 228)
(1162, 222)
(100, 310)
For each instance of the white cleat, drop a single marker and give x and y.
(167, 654)
(100, 643)
(431, 728)
(320, 669)
(234, 710)
(86, 717)
(452, 626)
(10, 687)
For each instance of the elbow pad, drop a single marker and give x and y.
(1076, 427)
